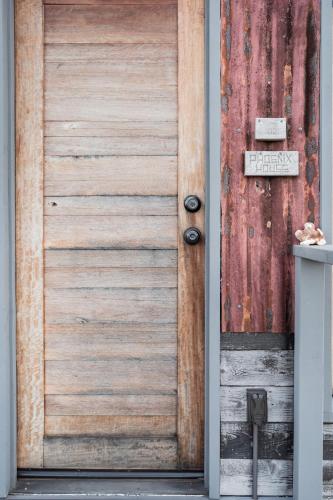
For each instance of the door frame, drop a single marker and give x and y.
(7, 252)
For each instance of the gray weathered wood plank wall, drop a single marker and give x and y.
(261, 360)
(250, 360)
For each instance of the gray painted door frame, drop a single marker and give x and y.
(7, 251)
(7, 265)
(213, 247)
(326, 185)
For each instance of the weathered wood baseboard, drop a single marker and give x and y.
(256, 341)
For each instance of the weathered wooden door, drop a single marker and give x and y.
(110, 307)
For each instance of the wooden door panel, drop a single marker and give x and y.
(139, 106)
(73, 305)
(96, 377)
(109, 78)
(164, 54)
(29, 231)
(110, 231)
(191, 260)
(121, 332)
(138, 138)
(100, 425)
(110, 140)
(110, 258)
(105, 453)
(110, 404)
(107, 2)
(111, 278)
(111, 205)
(112, 23)
(114, 175)
(98, 346)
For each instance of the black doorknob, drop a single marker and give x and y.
(192, 236)
(192, 203)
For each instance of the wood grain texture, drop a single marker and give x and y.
(328, 443)
(328, 479)
(124, 79)
(103, 305)
(111, 404)
(110, 231)
(111, 138)
(142, 73)
(103, 346)
(328, 432)
(158, 53)
(115, 426)
(191, 260)
(108, 2)
(135, 106)
(115, 175)
(110, 88)
(100, 94)
(110, 205)
(256, 368)
(110, 258)
(120, 332)
(103, 377)
(275, 441)
(270, 67)
(111, 278)
(274, 477)
(112, 235)
(29, 231)
(117, 23)
(257, 341)
(280, 404)
(110, 453)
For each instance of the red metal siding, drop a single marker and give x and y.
(270, 67)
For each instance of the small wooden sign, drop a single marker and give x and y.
(272, 163)
(271, 129)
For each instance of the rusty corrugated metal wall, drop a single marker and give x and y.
(270, 67)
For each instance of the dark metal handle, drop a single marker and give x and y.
(192, 203)
(192, 236)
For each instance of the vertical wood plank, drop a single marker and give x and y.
(191, 165)
(29, 230)
(270, 67)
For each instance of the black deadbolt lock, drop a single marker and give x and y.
(192, 236)
(192, 203)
